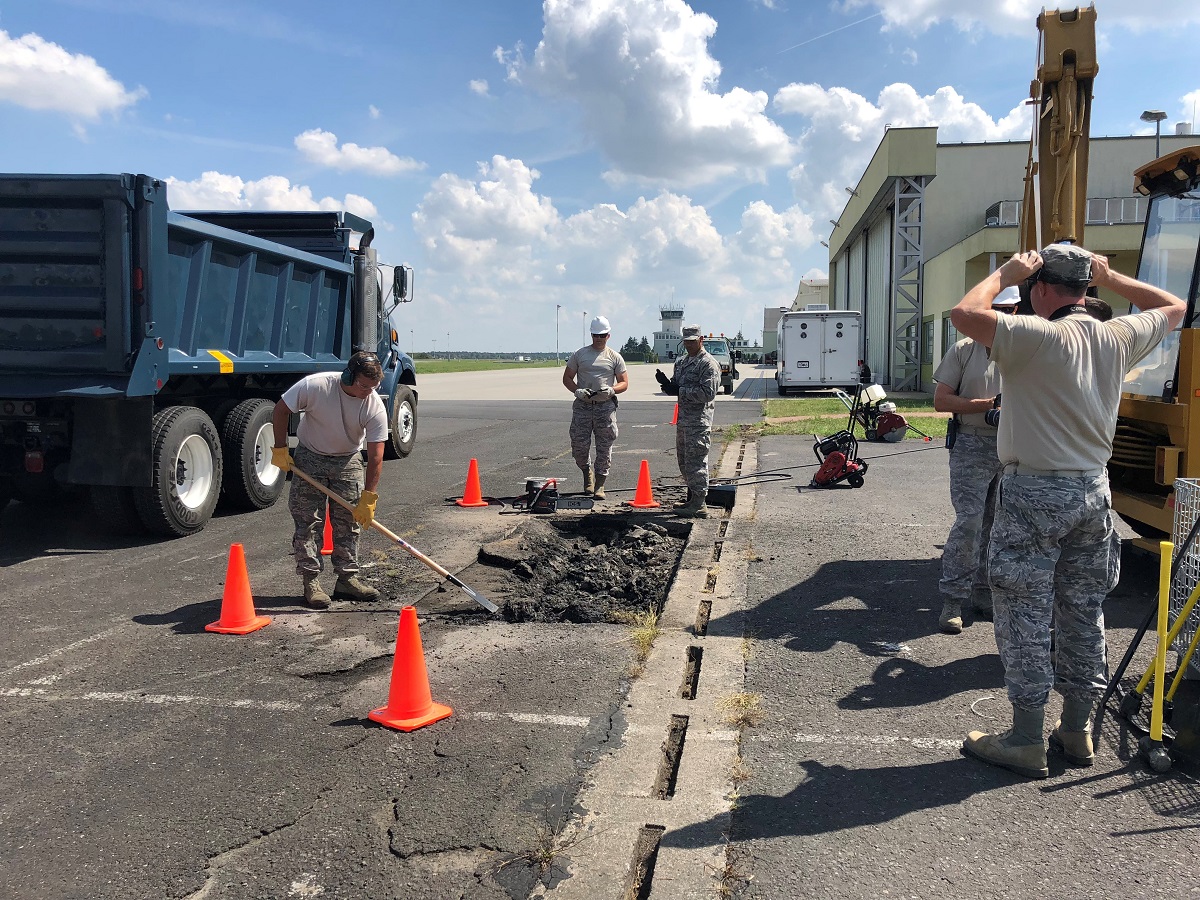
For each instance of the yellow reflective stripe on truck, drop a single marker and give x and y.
(225, 361)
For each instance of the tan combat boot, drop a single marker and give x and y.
(314, 595)
(354, 588)
(694, 508)
(1021, 749)
(589, 483)
(682, 503)
(598, 493)
(950, 620)
(1076, 746)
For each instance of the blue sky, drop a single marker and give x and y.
(602, 155)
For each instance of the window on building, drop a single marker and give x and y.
(950, 335)
(927, 342)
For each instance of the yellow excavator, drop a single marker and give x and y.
(1158, 430)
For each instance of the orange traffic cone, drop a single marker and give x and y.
(327, 550)
(237, 605)
(644, 498)
(675, 418)
(472, 495)
(409, 705)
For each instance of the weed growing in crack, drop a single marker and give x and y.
(742, 709)
(739, 772)
(729, 878)
(643, 631)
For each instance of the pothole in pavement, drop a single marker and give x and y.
(601, 567)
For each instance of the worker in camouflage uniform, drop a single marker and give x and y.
(595, 374)
(341, 410)
(1051, 551)
(696, 379)
(967, 386)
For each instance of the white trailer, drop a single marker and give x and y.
(819, 349)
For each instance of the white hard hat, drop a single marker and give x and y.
(1010, 296)
(600, 325)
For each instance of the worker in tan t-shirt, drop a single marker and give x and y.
(595, 374)
(968, 385)
(1051, 553)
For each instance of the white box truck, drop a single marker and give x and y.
(819, 349)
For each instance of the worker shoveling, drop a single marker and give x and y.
(405, 546)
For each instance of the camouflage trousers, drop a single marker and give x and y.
(975, 473)
(344, 476)
(692, 438)
(599, 419)
(1052, 559)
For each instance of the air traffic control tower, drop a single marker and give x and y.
(666, 341)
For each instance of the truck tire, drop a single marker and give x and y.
(402, 424)
(247, 436)
(727, 387)
(116, 508)
(782, 390)
(6, 493)
(185, 472)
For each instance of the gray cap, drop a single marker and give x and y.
(691, 332)
(1066, 264)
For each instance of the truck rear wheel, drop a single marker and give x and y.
(116, 508)
(727, 387)
(402, 424)
(247, 437)
(185, 472)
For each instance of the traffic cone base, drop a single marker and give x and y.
(472, 495)
(410, 705)
(327, 549)
(644, 497)
(237, 604)
(675, 417)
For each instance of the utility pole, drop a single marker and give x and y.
(585, 334)
(447, 345)
(557, 310)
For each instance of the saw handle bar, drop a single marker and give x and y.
(404, 545)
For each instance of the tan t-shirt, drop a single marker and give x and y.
(1062, 385)
(968, 371)
(596, 369)
(334, 423)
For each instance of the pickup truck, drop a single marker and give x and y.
(142, 349)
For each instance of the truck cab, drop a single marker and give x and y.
(718, 348)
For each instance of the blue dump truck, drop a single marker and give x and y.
(142, 349)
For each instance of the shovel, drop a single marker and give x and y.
(406, 547)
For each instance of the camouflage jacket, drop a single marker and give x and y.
(698, 378)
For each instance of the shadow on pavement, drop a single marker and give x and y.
(835, 798)
(906, 682)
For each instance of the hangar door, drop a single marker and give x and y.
(878, 308)
(854, 274)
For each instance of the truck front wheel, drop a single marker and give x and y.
(185, 472)
(403, 424)
(246, 438)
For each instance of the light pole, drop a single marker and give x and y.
(447, 345)
(557, 310)
(1156, 116)
(585, 334)
(412, 342)
(435, 348)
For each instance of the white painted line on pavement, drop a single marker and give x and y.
(534, 718)
(61, 650)
(877, 740)
(153, 699)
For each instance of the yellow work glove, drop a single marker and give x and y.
(364, 513)
(281, 459)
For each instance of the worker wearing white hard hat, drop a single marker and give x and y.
(595, 374)
(968, 386)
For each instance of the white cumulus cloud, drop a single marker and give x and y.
(40, 75)
(215, 190)
(845, 128)
(322, 148)
(478, 86)
(373, 111)
(649, 92)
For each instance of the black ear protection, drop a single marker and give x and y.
(355, 365)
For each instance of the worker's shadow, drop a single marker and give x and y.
(906, 682)
(835, 798)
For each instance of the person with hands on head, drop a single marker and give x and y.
(1052, 553)
(595, 374)
(968, 386)
(341, 411)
